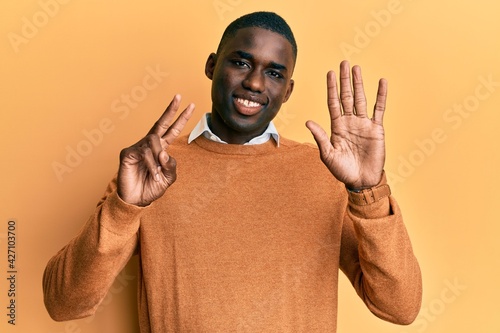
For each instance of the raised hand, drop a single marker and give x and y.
(355, 152)
(146, 170)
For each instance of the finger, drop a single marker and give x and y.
(176, 128)
(320, 137)
(152, 164)
(345, 88)
(130, 156)
(333, 98)
(359, 92)
(163, 123)
(379, 109)
(153, 142)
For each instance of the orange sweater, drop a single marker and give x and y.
(248, 239)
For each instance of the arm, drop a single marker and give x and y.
(377, 257)
(376, 252)
(78, 277)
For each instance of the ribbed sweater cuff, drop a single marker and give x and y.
(375, 210)
(121, 218)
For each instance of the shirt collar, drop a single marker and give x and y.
(202, 129)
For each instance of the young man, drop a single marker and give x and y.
(251, 235)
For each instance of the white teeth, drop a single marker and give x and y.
(247, 103)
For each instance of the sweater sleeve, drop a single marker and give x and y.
(377, 257)
(78, 277)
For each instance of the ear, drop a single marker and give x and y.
(289, 90)
(210, 65)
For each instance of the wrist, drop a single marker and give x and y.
(367, 195)
(357, 189)
(360, 185)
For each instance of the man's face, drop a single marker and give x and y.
(251, 78)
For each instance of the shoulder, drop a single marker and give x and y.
(303, 160)
(180, 149)
(302, 148)
(181, 145)
(286, 142)
(181, 141)
(306, 155)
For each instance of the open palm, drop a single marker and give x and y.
(355, 151)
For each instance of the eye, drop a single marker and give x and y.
(240, 63)
(275, 74)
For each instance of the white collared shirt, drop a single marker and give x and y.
(203, 129)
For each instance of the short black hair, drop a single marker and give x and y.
(265, 20)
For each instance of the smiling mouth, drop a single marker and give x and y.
(247, 107)
(247, 103)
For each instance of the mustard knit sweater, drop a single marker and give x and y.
(248, 239)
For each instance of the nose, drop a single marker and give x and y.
(254, 81)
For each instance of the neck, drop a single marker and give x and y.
(229, 135)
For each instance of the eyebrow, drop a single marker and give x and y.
(249, 56)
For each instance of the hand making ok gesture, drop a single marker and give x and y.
(355, 152)
(146, 170)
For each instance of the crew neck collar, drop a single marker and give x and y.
(268, 147)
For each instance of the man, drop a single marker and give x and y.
(251, 235)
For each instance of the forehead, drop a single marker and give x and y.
(261, 43)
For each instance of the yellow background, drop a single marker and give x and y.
(67, 75)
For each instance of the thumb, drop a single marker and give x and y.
(163, 158)
(168, 166)
(320, 136)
